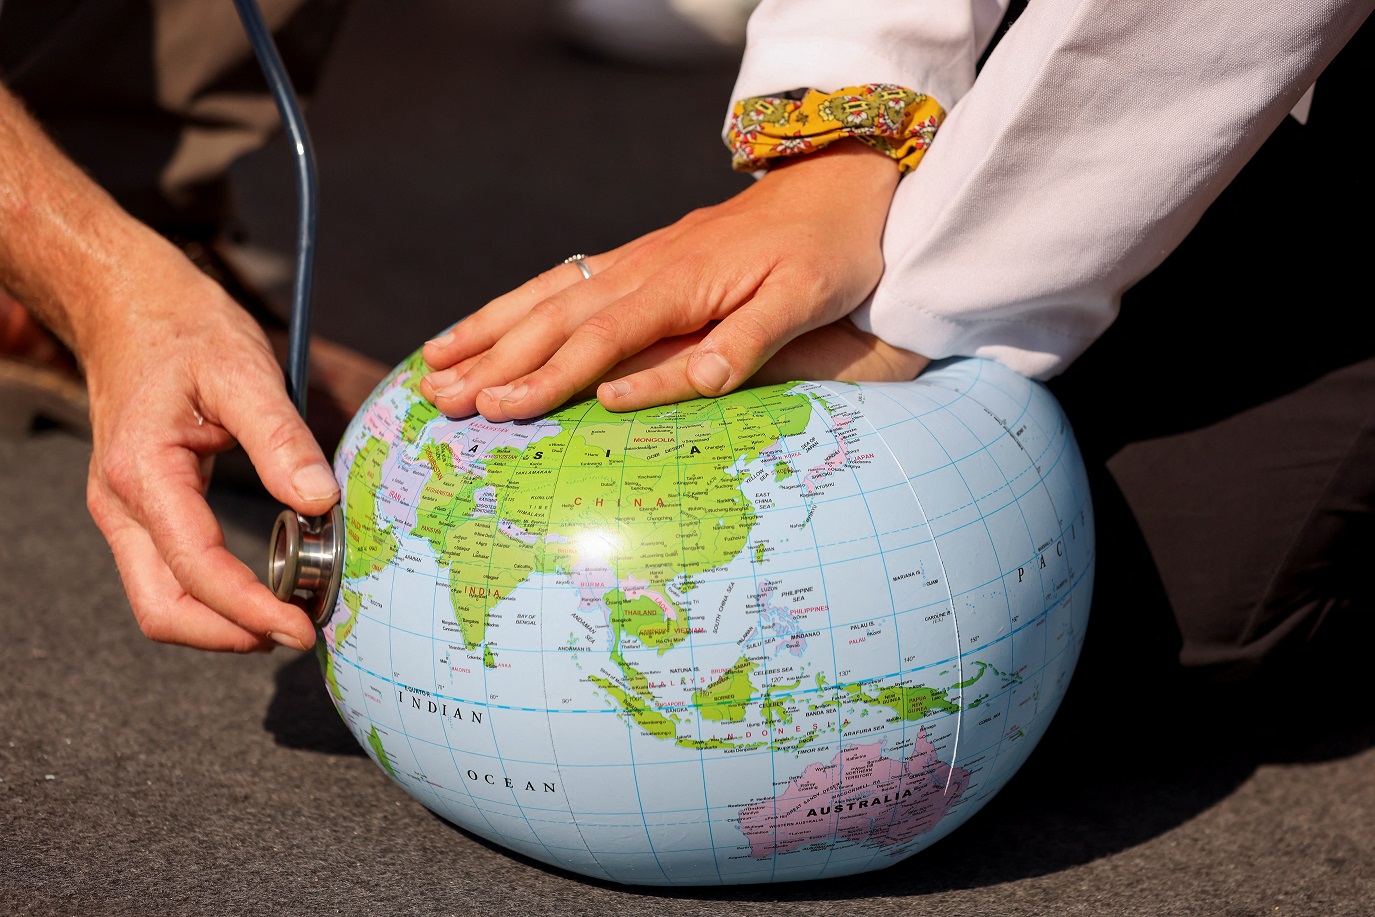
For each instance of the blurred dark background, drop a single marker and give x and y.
(463, 148)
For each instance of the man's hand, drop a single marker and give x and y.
(177, 375)
(693, 309)
(176, 372)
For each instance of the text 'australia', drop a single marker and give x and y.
(888, 798)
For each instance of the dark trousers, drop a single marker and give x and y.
(1229, 413)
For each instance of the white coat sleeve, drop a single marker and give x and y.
(1090, 144)
(929, 46)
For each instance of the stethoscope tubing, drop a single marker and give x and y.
(307, 193)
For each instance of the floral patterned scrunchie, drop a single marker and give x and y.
(895, 121)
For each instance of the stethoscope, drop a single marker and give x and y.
(306, 553)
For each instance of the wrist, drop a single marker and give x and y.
(893, 120)
(848, 186)
(134, 294)
(843, 162)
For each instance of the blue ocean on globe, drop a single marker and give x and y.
(796, 632)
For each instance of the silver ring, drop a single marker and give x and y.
(581, 262)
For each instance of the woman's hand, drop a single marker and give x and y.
(842, 352)
(693, 309)
(837, 351)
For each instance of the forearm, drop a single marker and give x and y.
(65, 246)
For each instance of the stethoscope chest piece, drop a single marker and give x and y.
(307, 561)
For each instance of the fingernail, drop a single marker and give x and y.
(619, 388)
(454, 390)
(515, 394)
(444, 340)
(497, 392)
(442, 379)
(288, 641)
(315, 482)
(710, 371)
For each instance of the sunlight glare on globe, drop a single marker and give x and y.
(597, 545)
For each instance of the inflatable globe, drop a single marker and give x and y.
(794, 632)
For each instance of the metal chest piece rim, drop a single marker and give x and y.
(306, 561)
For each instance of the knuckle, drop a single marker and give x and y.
(555, 381)
(808, 275)
(661, 379)
(647, 251)
(550, 279)
(97, 504)
(605, 330)
(284, 436)
(664, 249)
(551, 311)
(750, 334)
(482, 370)
(696, 216)
(464, 367)
(181, 559)
(118, 470)
(153, 625)
(102, 506)
(821, 281)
